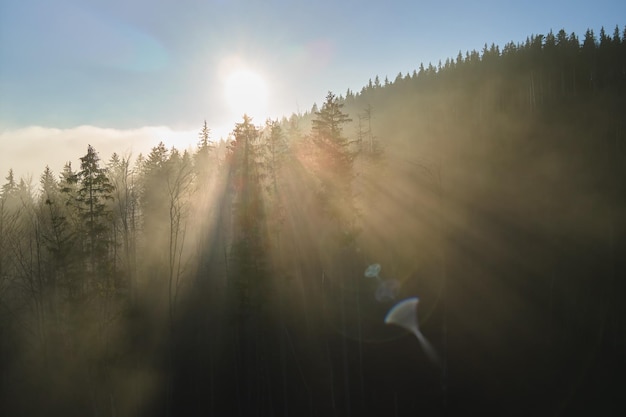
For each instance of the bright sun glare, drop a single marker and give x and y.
(246, 92)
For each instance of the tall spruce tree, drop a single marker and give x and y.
(249, 245)
(94, 189)
(335, 160)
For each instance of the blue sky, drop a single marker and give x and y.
(131, 64)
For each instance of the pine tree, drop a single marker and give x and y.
(371, 143)
(205, 159)
(122, 178)
(8, 219)
(93, 193)
(589, 55)
(10, 187)
(275, 151)
(335, 164)
(249, 241)
(152, 193)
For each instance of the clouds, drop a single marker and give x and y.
(29, 150)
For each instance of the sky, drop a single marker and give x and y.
(124, 74)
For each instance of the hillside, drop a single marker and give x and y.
(230, 280)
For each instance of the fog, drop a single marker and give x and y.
(254, 276)
(29, 150)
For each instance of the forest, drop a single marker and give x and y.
(234, 278)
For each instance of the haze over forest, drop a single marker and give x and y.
(229, 279)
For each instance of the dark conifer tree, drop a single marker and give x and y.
(335, 160)
(94, 190)
(249, 240)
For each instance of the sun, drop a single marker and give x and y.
(246, 92)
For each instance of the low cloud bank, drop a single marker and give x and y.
(29, 150)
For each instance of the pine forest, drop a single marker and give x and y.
(255, 275)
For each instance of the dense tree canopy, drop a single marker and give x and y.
(229, 279)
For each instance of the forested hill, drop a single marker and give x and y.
(236, 278)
